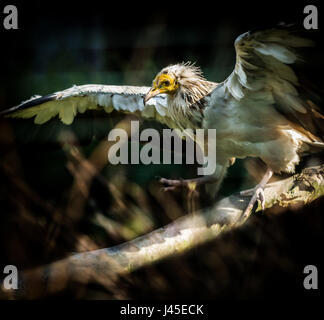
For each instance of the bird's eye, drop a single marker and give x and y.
(166, 83)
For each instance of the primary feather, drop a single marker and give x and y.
(78, 99)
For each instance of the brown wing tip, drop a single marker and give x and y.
(28, 104)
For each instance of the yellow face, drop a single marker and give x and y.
(163, 83)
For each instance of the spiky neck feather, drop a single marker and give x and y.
(186, 104)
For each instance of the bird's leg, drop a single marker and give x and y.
(257, 193)
(191, 184)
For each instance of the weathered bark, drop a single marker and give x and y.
(106, 265)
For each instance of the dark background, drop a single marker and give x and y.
(59, 44)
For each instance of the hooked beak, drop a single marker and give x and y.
(152, 93)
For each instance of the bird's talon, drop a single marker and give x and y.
(170, 184)
(166, 189)
(257, 196)
(260, 197)
(250, 192)
(173, 184)
(246, 193)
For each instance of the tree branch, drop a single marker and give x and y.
(106, 265)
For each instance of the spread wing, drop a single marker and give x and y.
(264, 76)
(67, 103)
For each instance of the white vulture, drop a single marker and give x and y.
(260, 110)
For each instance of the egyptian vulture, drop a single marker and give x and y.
(260, 110)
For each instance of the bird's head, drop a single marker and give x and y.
(165, 82)
(184, 79)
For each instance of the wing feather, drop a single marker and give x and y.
(68, 103)
(264, 65)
